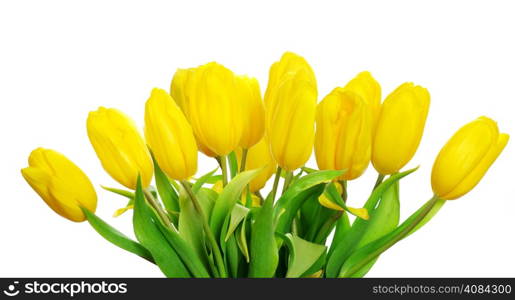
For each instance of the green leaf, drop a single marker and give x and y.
(341, 251)
(238, 213)
(384, 219)
(303, 255)
(302, 189)
(116, 237)
(202, 180)
(264, 255)
(150, 236)
(190, 227)
(228, 198)
(364, 255)
(233, 164)
(166, 191)
(125, 193)
(241, 239)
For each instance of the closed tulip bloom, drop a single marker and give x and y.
(60, 183)
(253, 111)
(343, 138)
(214, 111)
(119, 146)
(178, 90)
(368, 89)
(170, 136)
(466, 157)
(259, 156)
(399, 128)
(291, 126)
(289, 64)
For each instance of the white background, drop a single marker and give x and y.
(61, 59)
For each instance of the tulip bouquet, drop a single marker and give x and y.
(223, 224)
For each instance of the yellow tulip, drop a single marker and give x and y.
(119, 146)
(170, 136)
(60, 183)
(399, 128)
(259, 156)
(214, 111)
(343, 136)
(290, 102)
(466, 157)
(368, 89)
(253, 111)
(178, 90)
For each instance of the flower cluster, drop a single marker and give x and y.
(220, 224)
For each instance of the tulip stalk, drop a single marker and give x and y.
(223, 165)
(207, 229)
(380, 178)
(158, 208)
(276, 183)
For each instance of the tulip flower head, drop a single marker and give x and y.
(178, 91)
(253, 111)
(399, 128)
(343, 133)
(214, 112)
(466, 157)
(119, 146)
(170, 136)
(368, 89)
(60, 183)
(290, 102)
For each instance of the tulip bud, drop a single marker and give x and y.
(119, 146)
(368, 89)
(399, 128)
(178, 91)
(60, 183)
(170, 136)
(290, 102)
(343, 136)
(214, 111)
(259, 156)
(253, 111)
(466, 157)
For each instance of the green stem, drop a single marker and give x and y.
(261, 199)
(327, 227)
(380, 178)
(207, 229)
(276, 183)
(402, 231)
(223, 165)
(244, 153)
(287, 181)
(158, 208)
(345, 195)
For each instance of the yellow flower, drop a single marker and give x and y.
(290, 102)
(214, 111)
(119, 146)
(399, 128)
(170, 136)
(343, 136)
(368, 89)
(259, 156)
(253, 111)
(60, 183)
(178, 90)
(466, 157)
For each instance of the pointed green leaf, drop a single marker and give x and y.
(338, 253)
(150, 236)
(165, 189)
(264, 255)
(228, 198)
(202, 180)
(115, 237)
(303, 255)
(238, 213)
(125, 193)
